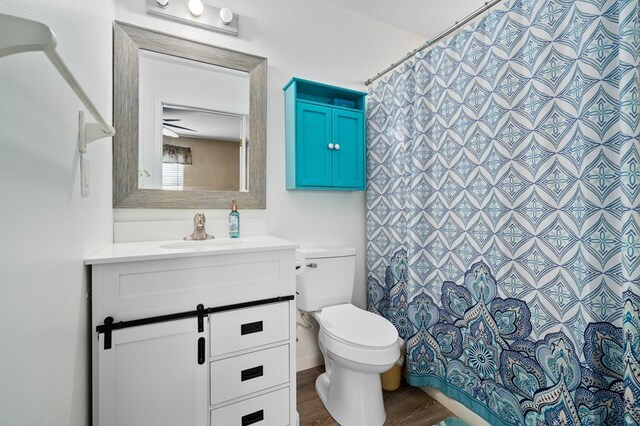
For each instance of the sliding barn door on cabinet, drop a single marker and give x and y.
(154, 375)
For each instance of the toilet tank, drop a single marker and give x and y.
(328, 278)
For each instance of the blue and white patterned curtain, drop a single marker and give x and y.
(503, 213)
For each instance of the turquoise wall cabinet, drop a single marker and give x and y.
(325, 137)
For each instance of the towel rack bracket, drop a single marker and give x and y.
(89, 132)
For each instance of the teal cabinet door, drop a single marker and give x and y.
(348, 148)
(313, 154)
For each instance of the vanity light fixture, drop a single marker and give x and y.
(226, 15)
(197, 14)
(196, 7)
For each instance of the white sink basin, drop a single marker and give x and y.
(203, 244)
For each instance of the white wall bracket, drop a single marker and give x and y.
(89, 132)
(18, 35)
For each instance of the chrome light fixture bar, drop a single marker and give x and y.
(197, 14)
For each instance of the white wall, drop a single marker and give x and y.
(46, 228)
(313, 40)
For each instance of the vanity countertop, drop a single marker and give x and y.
(154, 250)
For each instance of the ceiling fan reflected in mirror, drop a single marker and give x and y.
(168, 126)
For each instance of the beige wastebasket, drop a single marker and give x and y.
(391, 379)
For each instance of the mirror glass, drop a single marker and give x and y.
(193, 125)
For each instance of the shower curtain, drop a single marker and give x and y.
(503, 216)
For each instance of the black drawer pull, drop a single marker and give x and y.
(252, 327)
(252, 418)
(201, 351)
(251, 373)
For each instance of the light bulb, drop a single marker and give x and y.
(196, 7)
(163, 3)
(226, 15)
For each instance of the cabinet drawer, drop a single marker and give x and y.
(271, 409)
(242, 375)
(240, 329)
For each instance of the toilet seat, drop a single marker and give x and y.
(357, 327)
(358, 335)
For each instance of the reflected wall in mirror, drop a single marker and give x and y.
(187, 114)
(199, 149)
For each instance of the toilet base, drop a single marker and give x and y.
(352, 398)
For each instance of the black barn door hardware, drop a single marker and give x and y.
(201, 314)
(110, 324)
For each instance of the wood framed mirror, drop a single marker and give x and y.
(146, 119)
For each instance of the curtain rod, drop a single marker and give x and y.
(487, 5)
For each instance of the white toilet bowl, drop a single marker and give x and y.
(357, 346)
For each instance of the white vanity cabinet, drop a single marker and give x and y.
(195, 335)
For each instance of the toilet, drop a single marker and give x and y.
(357, 345)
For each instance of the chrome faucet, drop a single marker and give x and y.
(199, 232)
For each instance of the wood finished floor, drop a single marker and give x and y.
(407, 406)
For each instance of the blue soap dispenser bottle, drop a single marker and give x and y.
(234, 221)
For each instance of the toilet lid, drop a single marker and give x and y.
(357, 327)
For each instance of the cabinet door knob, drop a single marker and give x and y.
(336, 147)
(330, 146)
